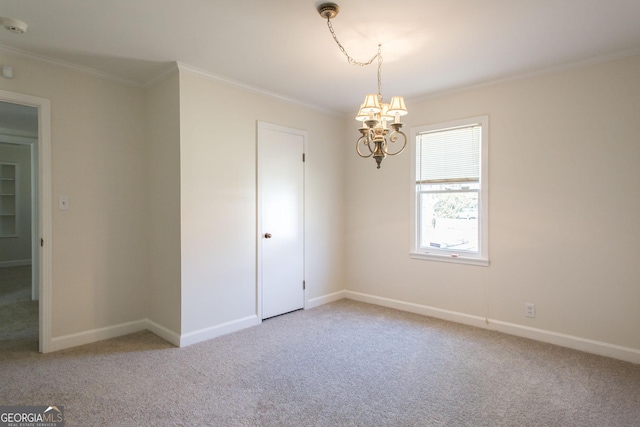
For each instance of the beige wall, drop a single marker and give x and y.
(163, 215)
(564, 174)
(162, 188)
(98, 159)
(218, 204)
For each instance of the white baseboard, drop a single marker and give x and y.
(218, 330)
(591, 346)
(577, 343)
(94, 335)
(15, 263)
(87, 337)
(325, 299)
(164, 333)
(425, 310)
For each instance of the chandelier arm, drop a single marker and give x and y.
(393, 137)
(342, 49)
(365, 141)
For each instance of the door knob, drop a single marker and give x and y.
(267, 235)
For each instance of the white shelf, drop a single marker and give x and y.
(8, 200)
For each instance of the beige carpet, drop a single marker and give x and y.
(342, 364)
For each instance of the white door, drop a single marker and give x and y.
(280, 220)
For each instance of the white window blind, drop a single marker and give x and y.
(449, 155)
(450, 198)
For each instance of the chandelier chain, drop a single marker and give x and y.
(379, 73)
(361, 64)
(342, 49)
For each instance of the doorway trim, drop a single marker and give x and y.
(44, 212)
(260, 128)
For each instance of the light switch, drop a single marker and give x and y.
(63, 203)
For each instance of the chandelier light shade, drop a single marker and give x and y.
(396, 107)
(384, 114)
(361, 116)
(380, 121)
(371, 104)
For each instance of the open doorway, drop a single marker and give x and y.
(20, 115)
(19, 314)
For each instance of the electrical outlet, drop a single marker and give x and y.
(529, 310)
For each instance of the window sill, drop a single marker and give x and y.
(457, 259)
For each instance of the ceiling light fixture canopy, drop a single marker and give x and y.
(380, 121)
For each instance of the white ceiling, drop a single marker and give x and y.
(284, 47)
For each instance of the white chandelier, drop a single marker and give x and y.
(380, 121)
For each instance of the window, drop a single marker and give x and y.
(450, 193)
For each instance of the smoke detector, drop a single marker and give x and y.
(13, 25)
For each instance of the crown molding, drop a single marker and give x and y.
(573, 65)
(46, 59)
(171, 69)
(230, 82)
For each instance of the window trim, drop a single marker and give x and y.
(482, 257)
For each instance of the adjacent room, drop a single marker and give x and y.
(306, 213)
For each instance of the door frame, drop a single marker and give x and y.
(41, 254)
(261, 127)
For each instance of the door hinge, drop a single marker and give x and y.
(304, 285)
(303, 157)
(41, 243)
